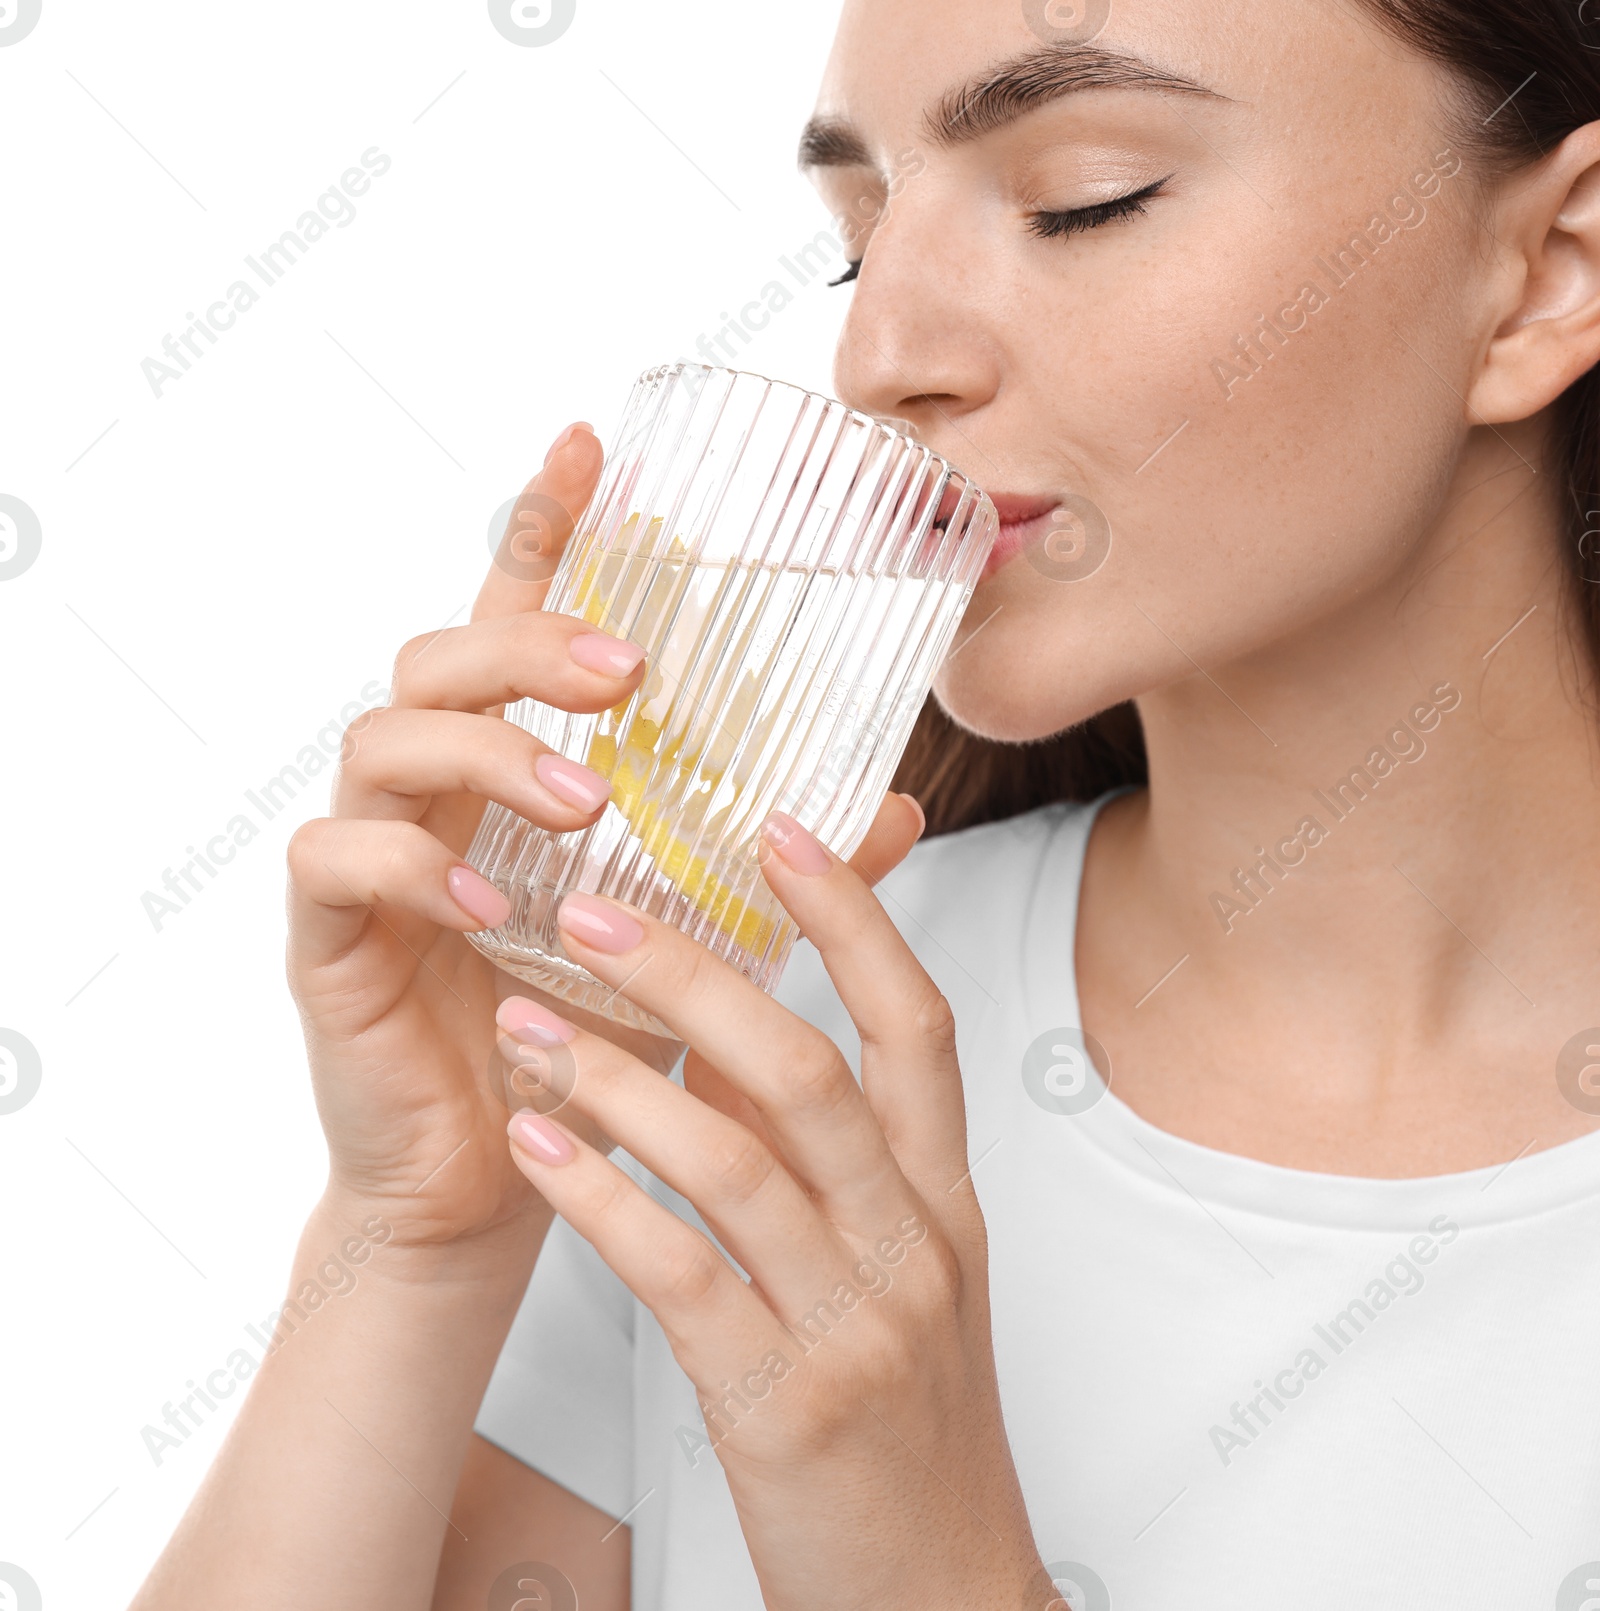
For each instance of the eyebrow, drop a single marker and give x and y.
(1001, 96)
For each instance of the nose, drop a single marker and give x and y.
(920, 343)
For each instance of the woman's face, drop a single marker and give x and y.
(1251, 374)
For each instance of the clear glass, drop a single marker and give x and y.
(795, 571)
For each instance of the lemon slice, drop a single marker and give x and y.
(661, 791)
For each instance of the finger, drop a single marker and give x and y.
(909, 1070)
(517, 1085)
(715, 1323)
(702, 1080)
(557, 659)
(406, 757)
(542, 521)
(342, 873)
(806, 1093)
(752, 1203)
(896, 828)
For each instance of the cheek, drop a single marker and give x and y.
(1323, 423)
(1254, 479)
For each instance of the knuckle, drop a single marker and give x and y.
(405, 848)
(894, 1349)
(942, 1279)
(531, 632)
(738, 1167)
(934, 1019)
(825, 1414)
(307, 848)
(528, 666)
(693, 975)
(820, 1084)
(698, 972)
(609, 1208)
(410, 655)
(360, 734)
(687, 1270)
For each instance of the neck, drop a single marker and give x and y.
(1372, 843)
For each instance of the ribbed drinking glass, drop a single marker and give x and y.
(795, 571)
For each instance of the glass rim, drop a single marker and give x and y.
(794, 389)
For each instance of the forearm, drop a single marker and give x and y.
(334, 1486)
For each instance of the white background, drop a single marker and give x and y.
(225, 567)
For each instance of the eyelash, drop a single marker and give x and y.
(1071, 221)
(1075, 220)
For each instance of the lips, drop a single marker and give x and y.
(1023, 520)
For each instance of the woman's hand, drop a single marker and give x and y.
(849, 1386)
(397, 1006)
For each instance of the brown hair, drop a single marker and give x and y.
(1531, 70)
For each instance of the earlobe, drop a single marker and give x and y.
(1551, 337)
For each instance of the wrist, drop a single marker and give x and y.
(385, 1240)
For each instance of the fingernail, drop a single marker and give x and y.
(539, 1138)
(599, 924)
(477, 897)
(565, 437)
(574, 782)
(922, 816)
(599, 651)
(519, 1016)
(795, 845)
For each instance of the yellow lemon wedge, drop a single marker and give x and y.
(661, 791)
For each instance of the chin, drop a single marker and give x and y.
(1005, 709)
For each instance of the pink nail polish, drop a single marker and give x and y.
(540, 1139)
(599, 924)
(795, 845)
(922, 816)
(572, 781)
(519, 1016)
(477, 897)
(565, 437)
(599, 651)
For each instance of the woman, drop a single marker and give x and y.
(1289, 313)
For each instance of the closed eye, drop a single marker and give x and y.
(1070, 221)
(1074, 220)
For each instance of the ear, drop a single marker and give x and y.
(1551, 336)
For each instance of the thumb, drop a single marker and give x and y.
(896, 828)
